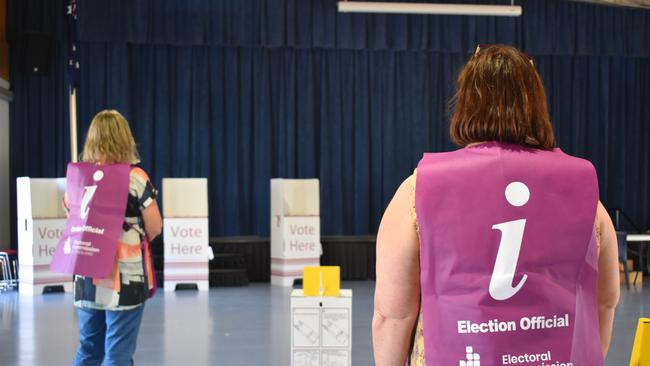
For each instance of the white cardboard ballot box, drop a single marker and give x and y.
(41, 222)
(186, 233)
(321, 329)
(295, 228)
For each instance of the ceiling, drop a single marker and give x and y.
(632, 3)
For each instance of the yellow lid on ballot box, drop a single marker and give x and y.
(321, 281)
(641, 350)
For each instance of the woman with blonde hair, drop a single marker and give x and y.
(110, 309)
(499, 252)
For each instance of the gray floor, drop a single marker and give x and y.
(227, 326)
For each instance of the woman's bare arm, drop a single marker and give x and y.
(152, 220)
(608, 277)
(397, 291)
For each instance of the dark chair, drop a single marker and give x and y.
(621, 238)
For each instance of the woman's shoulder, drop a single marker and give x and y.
(140, 183)
(138, 173)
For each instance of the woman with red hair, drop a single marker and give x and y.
(499, 252)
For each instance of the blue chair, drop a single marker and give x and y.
(621, 238)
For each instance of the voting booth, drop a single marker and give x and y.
(41, 222)
(321, 320)
(295, 228)
(186, 235)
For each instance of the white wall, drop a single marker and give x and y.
(5, 211)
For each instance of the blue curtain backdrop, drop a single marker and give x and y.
(241, 91)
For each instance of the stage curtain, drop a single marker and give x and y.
(551, 27)
(241, 93)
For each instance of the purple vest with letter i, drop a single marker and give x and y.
(508, 257)
(97, 198)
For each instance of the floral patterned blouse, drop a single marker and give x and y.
(132, 277)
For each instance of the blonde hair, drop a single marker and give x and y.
(109, 140)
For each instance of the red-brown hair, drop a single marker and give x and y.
(500, 97)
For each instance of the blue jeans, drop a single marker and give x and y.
(108, 336)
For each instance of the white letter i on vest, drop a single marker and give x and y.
(89, 192)
(512, 233)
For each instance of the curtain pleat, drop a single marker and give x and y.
(241, 94)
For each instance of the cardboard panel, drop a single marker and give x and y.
(277, 198)
(295, 197)
(185, 197)
(38, 244)
(40, 198)
(321, 329)
(186, 240)
(301, 237)
(301, 197)
(295, 228)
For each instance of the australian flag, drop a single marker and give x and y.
(73, 53)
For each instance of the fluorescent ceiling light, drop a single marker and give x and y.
(424, 8)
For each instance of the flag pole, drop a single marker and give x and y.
(73, 77)
(73, 125)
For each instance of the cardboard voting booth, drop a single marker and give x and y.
(321, 326)
(185, 212)
(295, 228)
(641, 349)
(41, 222)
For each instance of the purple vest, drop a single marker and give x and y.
(97, 198)
(508, 257)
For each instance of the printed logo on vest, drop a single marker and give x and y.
(471, 358)
(512, 232)
(67, 248)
